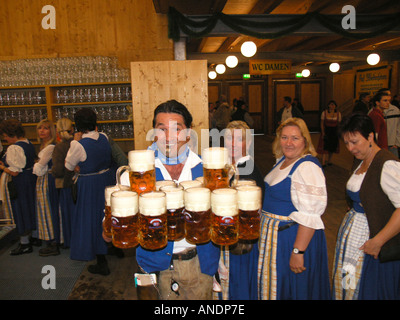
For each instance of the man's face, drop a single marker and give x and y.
(171, 133)
(384, 103)
(286, 103)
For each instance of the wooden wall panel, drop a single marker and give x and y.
(310, 96)
(255, 98)
(128, 29)
(154, 82)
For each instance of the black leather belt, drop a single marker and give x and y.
(286, 226)
(185, 255)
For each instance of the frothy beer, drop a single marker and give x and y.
(190, 184)
(215, 168)
(175, 217)
(163, 183)
(224, 216)
(249, 203)
(197, 215)
(142, 173)
(153, 230)
(107, 209)
(124, 219)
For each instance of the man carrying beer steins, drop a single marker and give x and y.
(185, 271)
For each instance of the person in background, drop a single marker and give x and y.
(18, 163)
(363, 103)
(222, 114)
(381, 102)
(47, 207)
(293, 260)
(63, 177)
(296, 103)
(241, 114)
(329, 140)
(396, 101)
(367, 255)
(90, 158)
(287, 111)
(392, 119)
(243, 257)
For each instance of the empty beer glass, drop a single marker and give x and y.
(153, 230)
(224, 216)
(217, 171)
(107, 210)
(175, 217)
(142, 173)
(249, 204)
(124, 219)
(197, 215)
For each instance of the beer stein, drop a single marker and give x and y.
(124, 219)
(217, 171)
(239, 183)
(197, 215)
(175, 217)
(190, 184)
(224, 217)
(153, 229)
(162, 183)
(201, 180)
(107, 209)
(142, 172)
(249, 204)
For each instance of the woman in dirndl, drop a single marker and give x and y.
(293, 261)
(367, 255)
(17, 165)
(90, 157)
(47, 207)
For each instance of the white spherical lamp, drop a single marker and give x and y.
(334, 67)
(220, 68)
(212, 75)
(373, 59)
(231, 61)
(305, 73)
(248, 49)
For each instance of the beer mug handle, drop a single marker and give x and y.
(233, 174)
(121, 170)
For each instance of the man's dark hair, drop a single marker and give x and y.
(12, 128)
(85, 120)
(288, 99)
(173, 106)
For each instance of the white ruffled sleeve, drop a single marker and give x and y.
(390, 181)
(15, 158)
(41, 167)
(309, 195)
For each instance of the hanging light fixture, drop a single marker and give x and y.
(231, 61)
(220, 68)
(334, 67)
(305, 73)
(373, 59)
(212, 75)
(248, 49)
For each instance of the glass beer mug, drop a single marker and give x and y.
(107, 209)
(190, 184)
(175, 217)
(153, 229)
(124, 219)
(216, 170)
(197, 215)
(249, 204)
(142, 172)
(224, 217)
(163, 183)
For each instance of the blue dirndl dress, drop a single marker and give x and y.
(373, 280)
(23, 207)
(86, 235)
(275, 279)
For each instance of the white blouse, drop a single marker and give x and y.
(15, 157)
(308, 192)
(390, 181)
(41, 167)
(77, 153)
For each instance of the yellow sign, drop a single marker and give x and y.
(371, 80)
(269, 66)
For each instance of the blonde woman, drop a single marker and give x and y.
(63, 177)
(293, 262)
(47, 208)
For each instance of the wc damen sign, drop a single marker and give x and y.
(259, 67)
